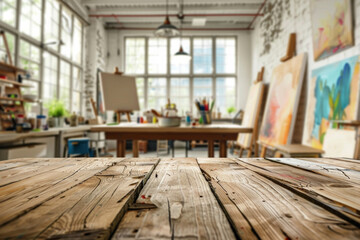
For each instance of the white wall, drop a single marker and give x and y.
(95, 50)
(299, 22)
(115, 41)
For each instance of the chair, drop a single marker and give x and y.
(78, 147)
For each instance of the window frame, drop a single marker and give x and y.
(168, 75)
(15, 30)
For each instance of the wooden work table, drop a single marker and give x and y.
(180, 198)
(135, 132)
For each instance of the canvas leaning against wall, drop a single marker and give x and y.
(282, 102)
(333, 95)
(331, 26)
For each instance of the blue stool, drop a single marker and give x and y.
(78, 146)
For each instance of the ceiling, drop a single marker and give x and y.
(226, 15)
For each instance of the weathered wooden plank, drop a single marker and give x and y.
(91, 209)
(341, 197)
(20, 162)
(33, 168)
(186, 207)
(340, 162)
(323, 168)
(20, 197)
(259, 208)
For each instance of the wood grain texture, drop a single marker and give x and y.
(341, 197)
(186, 207)
(325, 169)
(88, 206)
(261, 209)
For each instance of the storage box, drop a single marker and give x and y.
(28, 150)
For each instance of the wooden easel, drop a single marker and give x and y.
(2, 33)
(291, 49)
(120, 112)
(253, 142)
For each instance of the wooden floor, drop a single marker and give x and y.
(180, 198)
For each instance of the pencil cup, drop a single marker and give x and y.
(206, 117)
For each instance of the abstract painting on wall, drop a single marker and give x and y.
(282, 102)
(333, 95)
(331, 26)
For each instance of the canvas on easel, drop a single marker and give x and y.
(119, 92)
(282, 102)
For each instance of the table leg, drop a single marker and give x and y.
(135, 148)
(121, 144)
(211, 148)
(357, 145)
(223, 149)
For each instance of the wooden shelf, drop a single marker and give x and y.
(15, 83)
(6, 66)
(15, 99)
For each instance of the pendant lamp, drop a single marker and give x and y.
(181, 55)
(166, 29)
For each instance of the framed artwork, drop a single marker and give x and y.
(333, 95)
(331, 27)
(252, 111)
(282, 102)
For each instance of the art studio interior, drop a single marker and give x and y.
(179, 119)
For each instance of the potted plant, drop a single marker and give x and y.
(230, 110)
(57, 112)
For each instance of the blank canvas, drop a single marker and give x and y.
(339, 143)
(119, 92)
(251, 113)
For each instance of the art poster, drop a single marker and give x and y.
(282, 102)
(331, 26)
(333, 95)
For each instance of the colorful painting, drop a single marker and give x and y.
(251, 113)
(281, 106)
(333, 95)
(331, 26)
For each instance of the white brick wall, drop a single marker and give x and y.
(300, 23)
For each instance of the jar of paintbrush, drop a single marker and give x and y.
(205, 107)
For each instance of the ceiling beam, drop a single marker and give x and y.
(162, 2)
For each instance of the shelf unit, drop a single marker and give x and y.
(11, 86)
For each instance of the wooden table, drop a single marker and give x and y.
(135, 132)
(180, 198)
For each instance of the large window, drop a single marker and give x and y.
(210, 73)
(157, 92)
(180, 94)
(51, 33)
(178, 66)
(77, 91)
(140, 86)
(50, 77)
(157, 52)
(225, 55)
(65, 83)
(51, 50)
(203, 55)
(30, 60)
(66, 32)
(135, 55)
(30, 18)
(225, 93)
(8, 12)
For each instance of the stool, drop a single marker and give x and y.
(78, 146)
(296, 151)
